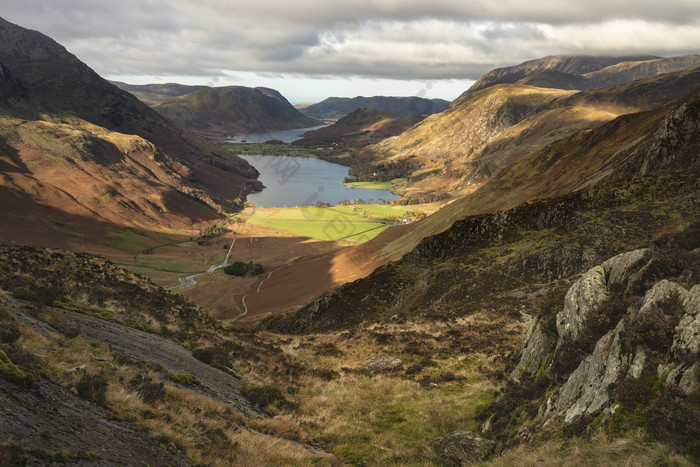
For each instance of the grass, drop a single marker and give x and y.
(272, 150)
(354, 222)
(634, 448)
(128, 240)
(372, 185)
(329, 224)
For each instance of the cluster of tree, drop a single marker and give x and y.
(429, 197)
(384, 171)
(240, 269)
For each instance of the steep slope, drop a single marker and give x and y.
(56, 80)
(230, 110)
(359, 128)
(614, 74)
(462, 147)
(568, 64)
(335, 108)
(82, 159)
(152, 94)
(600, 208)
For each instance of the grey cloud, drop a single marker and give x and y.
(411, 39)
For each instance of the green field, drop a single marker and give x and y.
(334, 223)
(372, 185)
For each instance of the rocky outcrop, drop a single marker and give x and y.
(462, 447)
(583, 298)
(585, 392)
(536, 351)
(649, 350)
(380, 364)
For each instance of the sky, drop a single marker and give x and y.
(310, 49)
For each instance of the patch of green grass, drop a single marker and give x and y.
(324, 223)
(10, 372)
(127, 240)
(271, 150)
(372, 185)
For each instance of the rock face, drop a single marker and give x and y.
(585, 392)
(582, 299)
(462, 447)
(656, 341)
(380, 364)
(536, 351)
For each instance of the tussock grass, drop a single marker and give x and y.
(633, 449)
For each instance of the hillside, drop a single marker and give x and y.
(359, 128)
(152, 94)
(593, 243)
(575, 183)
(614, 74)
(83, 160)
(459, 149)
(579, 72)
(334, 108)
(231, 110)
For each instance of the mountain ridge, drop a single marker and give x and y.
(229, 110)
(334, 108)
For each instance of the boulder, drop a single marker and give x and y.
(380, 364)
(536, 351)
(586, 294)
(686, 340)
(586, 390)
(462, 447)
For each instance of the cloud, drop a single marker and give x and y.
(411, 39)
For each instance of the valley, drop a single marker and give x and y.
(206, 275)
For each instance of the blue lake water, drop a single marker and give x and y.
(297, 181)
(286, 136)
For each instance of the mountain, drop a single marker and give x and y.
(592, 242)
(360, 128)
(460, 148)
(230, 110)
(579, 72)
(334, 108)
(82, 159)
(152, 94)
(614, 74)
(555, 195)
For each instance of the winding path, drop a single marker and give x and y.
(189, 281)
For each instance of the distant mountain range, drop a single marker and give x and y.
(152, 94)
(232, 110)
(335, 108)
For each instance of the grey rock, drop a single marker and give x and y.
(585, 295)
(77, 369)
(635, 370)
(686, 340)
(686, 377)
(592, 289)
(618, 267)
(656, 297)
(379, 364)
(536, 351)
(585, 392)
(462, 447)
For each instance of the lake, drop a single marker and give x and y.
(296, 181)
(286, 136)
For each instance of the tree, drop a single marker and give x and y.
(236, 269)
